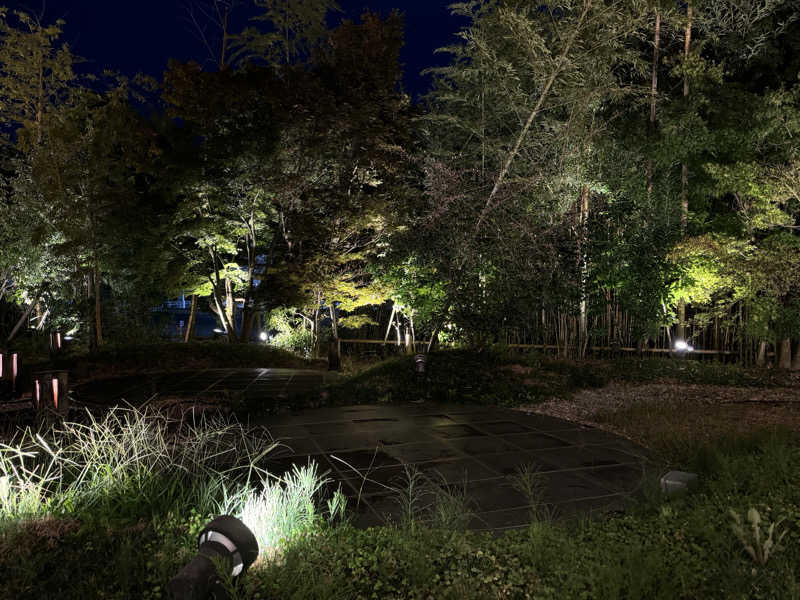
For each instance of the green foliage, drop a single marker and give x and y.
(124, 465)
(291, 332)
(759, 544)
(450, 376)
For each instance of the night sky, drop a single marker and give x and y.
(133, 36)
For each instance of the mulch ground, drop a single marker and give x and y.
(652, 412)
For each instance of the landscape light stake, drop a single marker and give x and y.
(226, 541)
(51, 393)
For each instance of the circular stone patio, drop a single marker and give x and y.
(479, 450)
(367, 448)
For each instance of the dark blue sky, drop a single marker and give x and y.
(141, 35)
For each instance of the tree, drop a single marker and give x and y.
(294, 29)
(85, 186)
(36, 73)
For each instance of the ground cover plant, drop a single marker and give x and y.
(498, 376)
(121, 498)
(686, 547)
(145, 526)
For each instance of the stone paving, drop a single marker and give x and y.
(581, 470)
(269, 384)
(366, 448)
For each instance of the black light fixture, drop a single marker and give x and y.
(224, 540)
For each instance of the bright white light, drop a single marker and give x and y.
(218, 330)
(263, 336)
(681, 345)
(68, 338)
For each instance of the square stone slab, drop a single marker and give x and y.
(503, 427)
(455, 431)
(534, 441)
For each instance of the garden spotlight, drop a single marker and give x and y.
(682, 346)
(224, 540)
(263, 336)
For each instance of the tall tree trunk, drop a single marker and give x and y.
(98, 318)
(20, 322)
(334, 356)
(397, 327)
(315, 334)
(230, 305)
(334, 324)
(653, 89)
(248, 320)
(389, 326)
(434, 338)
(684, 168)
(796, 358)
(222, 313)
(192, 318)
(785, 358)
(761, 357)
(583, 331)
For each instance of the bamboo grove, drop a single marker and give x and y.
(584, 175)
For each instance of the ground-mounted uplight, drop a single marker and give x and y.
(55, 343)
(225, 541)
(263, 336)
(682, 346)
(51, 392)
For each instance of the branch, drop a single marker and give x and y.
(534, 113)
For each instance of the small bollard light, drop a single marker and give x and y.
(51, 392)
(55, 342)
(224, 540)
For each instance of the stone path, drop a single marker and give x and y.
(581, 470)
(365, 448)
(269, 384)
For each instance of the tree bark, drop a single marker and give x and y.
(230, 305)
(653, 89)
(248, 320)
(315, 333)
(334, 324)
(20, 323)
(98, 319)
(583, 331)
(685, 169)
(796, 358)
(221, 311)
(761, 357)
(192, 318)
(785, 359)
(389, 326)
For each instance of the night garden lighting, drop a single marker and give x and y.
(224, 541)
